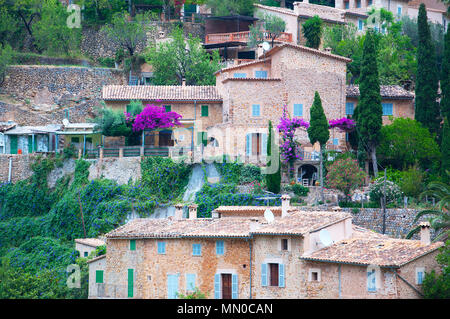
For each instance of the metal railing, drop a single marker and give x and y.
(242, 37)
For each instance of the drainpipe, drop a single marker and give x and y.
(10, 170)
(339, 281)
(250, 248)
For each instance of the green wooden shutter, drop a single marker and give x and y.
(168, 108)
(205, 110)
(13, 144)
(132, 244)
(99, 276)
(130, 282)
(30, 144)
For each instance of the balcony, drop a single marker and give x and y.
(242, 37)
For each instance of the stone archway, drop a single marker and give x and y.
(307, 173)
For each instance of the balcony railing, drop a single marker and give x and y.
(243, 36)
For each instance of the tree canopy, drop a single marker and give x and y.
(181, 58)
(312, 30)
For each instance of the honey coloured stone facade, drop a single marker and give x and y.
(299, 254)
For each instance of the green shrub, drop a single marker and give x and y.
(300, 190)
(106, 62)
(412, 182)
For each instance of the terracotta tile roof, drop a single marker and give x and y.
(369, 249)
(306, 49)
(247, 210)
(386, 91)
(94, 242)
(242, 65)
(160, 92)
(297, 223)
(95, 259)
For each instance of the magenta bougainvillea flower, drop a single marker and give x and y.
(290, 149)
(154, 117)
(344, 124)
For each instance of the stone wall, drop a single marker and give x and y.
(41, 94)
(119, 169)
(20, 168)
(96, 44)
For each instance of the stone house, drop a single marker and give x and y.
(395, 101)
(85, 246)
(30, 139)
(303, 11)
(297, 254)
(200, 107)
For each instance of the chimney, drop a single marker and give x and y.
(254, 224)
(327, 50)
(285, 204)
(215, 214)
(193, 211)
(178, 211)
(183, 81)
(425, 233)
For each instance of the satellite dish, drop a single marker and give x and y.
(65, 122)
(268, 215)
(325, 237)
(266, 46)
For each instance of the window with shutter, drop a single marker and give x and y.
(172, 286)
(130, 283)
(239, 75)
(196, 249)
(261, 74)
(256, 110)
(168, 108)
(280, 275)
(217, 286)
(205, 110)
(132, 244)
(349, 108)
(264, 275)
(190, 282)
(371, 280)
(220, 247)
(274, 274)
(99, 276)
(234, 286)
(162, 247)
(298, 109)
(388, 108)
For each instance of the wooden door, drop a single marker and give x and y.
(226, 286)
(13, 139)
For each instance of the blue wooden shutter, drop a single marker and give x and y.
(161, 247)
(264, 275)
(240, 75)
(261, 74)
(371, 281)
(256, 111)
(217, 286)
(172, 286)
(196, 249)
(387, 108)
(234, 286)
(190, 282)
(248, 139)
(264, 144)
(349, 108)
(281, 275)
(298, 109)
(219, 247)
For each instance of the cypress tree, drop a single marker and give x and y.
(369, 116)
(426, 108)
(318, 131)
(445, 151)
(273, 181)
(445, 78)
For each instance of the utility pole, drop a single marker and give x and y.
(82, 217)
(384, 203)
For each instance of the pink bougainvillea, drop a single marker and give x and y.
(344, 124)
(290, 149)
(154, 117)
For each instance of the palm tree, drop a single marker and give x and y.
(439, 217)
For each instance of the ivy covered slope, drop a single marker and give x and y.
(38, 224)
(226, 192)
